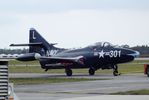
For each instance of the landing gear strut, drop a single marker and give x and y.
(115, 70)
(68, 72)
(91, 71)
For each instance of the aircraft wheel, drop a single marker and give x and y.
(115, 73)
(91, 71)
(68, 72)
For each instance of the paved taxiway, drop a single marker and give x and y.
(79, 89)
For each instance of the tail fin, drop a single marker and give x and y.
(43, 49)
(37, 44)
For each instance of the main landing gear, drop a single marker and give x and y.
(91, 71)
(115, 70)
(68, 72)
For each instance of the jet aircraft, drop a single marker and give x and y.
(101, 55)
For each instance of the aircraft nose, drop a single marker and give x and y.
(135, 54)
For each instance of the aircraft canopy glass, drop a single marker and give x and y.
(101, 44)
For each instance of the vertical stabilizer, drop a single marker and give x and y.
(45, 48)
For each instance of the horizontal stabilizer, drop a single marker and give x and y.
(29, 44)
(32, 44)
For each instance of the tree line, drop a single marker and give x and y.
(144, 50)
(13, 51)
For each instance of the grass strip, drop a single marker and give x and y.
(24, 81)
(134, 92)
(30, 67)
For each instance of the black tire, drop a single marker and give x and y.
(68, 72)
(91, 71)
(115, 73)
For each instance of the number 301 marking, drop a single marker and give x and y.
(115, 53)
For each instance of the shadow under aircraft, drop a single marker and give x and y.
(101, 55)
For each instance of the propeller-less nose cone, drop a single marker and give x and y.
(135, 54)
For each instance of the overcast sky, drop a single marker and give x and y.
(75, 23)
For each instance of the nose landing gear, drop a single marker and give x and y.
(115, 71)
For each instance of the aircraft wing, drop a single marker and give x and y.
(78, 59)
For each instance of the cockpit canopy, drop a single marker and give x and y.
(101, 44)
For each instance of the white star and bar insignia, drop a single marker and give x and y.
(101, 54)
